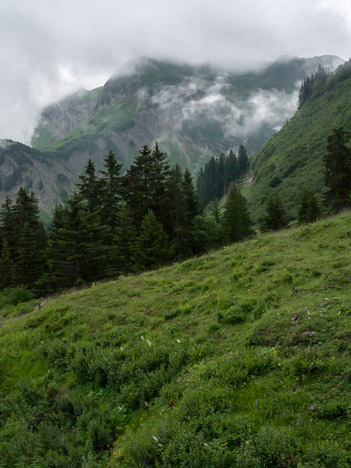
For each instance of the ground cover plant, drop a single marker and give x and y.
(238, 358)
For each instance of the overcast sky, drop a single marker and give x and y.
(49, 48)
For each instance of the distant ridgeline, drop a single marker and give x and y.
(214, 180)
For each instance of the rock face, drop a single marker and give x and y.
(194, 113)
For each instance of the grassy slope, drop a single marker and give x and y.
(238, 358)
(294, 154)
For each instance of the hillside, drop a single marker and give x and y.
(292, 159)
(239, 358)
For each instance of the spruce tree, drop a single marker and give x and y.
(337, 163)
(309, 210)
(30, 261)
(243, 160)
(124, 242)
(9, 227)
(192, 201)
(111, 192)
(181, 235)
(6, 267)
(89, 188)
(152, 247)
(275, 217)
(216, 213)
(236, 221)
(137, 185)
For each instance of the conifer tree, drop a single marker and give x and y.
(137, 184)
(180, 220)
(124, 241)
(243, 160)
(8, 227)
(151, 245)
(159, 177)
(30, 261)
(77, 249)
(192, 202)
(275, 217)
(337, 163)
(111, 192)
(236, 221)
(309, 210)
(6, 267)
(89, 188)
(216, 213)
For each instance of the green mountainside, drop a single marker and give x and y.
(239, 358)
(292, 159)
(193, 111)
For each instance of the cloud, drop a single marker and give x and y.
(194, 98)
(49, 49)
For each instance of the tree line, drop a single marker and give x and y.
(114, 225)
(218, 174)
(151, 216)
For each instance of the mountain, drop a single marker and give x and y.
(239, 358)
(293, 158)
(193, 111)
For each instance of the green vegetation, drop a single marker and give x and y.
(293, 159)
(238, 358)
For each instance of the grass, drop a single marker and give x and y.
(237, 358)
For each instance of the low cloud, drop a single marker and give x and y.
(195, 98)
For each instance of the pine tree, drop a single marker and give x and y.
(77, 249)
(275, 217)
(30, 261)
(236, 221)
(159, 178)
(124, 241)
(6, 267)
(137, 185)
(231, 172)
(243, 160)
(9, 227)
(309, 210)
(179, 215)
(216, 213)
(89, 188)
(192, 201)
(151, 245)
(111, 192)
(337, 163)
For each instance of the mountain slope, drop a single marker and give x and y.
(194, 112)
(292, 159)
(238, 358)
(22, 166)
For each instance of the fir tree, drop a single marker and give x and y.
(309, 210)
(192, 201)
(275, 217)
(6, 267)
(8, 227)
(89, 188)
(216, 213)
(111, 192)
(124, 241)
(337, 163)
(243, 160)
(236, 222)
(30, 261)
(179, 215)
(151, 245)
(137, 184)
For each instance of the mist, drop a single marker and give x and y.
(49, 50)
